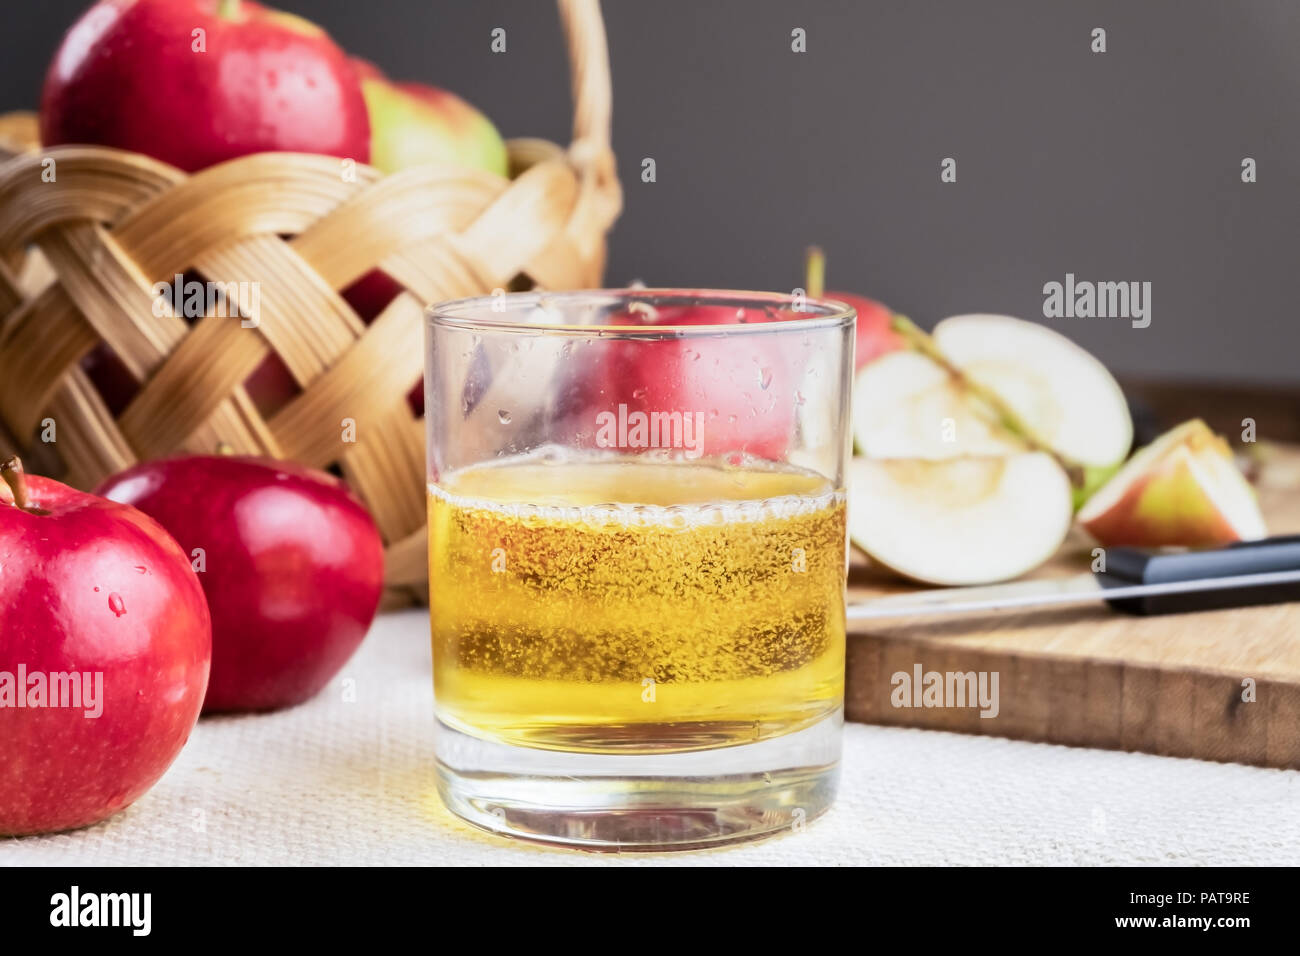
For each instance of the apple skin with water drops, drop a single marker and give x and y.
(292, 566)
(744, 388)
(127, 75)
(89, 586)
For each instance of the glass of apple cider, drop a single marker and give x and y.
(637, 559)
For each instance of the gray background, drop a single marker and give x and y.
(1115, 166)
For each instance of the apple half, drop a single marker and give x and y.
(960, 521)
(1058, 394)
(906, 405)
(1182, 489)
(992, 384)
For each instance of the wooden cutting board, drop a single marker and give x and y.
(1091, 677)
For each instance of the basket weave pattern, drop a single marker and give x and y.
(79, 258)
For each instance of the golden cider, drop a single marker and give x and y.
(618, 604)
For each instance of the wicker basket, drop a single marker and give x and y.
(79, 258)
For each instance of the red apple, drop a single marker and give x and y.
(875, 334)
(367, 70)
(271, 386)
(196, 82)
(101, 602)
(292, 565)
(371, 294)
(110, 376)
(743, 386)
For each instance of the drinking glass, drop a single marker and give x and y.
(637, 557)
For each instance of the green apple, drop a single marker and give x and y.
(412, 124)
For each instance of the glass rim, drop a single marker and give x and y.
(477, 313)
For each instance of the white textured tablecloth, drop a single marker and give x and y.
(338, 782)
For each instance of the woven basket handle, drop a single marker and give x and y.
(584, 31)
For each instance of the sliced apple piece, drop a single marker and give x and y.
(1182, 489)
(906, 405)
(961, 521)
(1057, 394)
(1094, 477)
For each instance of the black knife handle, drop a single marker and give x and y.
(1129, 566)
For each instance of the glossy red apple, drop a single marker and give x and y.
(196, 82)
(743, 386)
(99, 602)
(292, 565)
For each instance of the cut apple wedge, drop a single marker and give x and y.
(1058, 396)
(906, 405)
(1182, 489)
(960, 521)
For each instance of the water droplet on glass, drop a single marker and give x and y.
(638, 393)
(798, 398)
(141, 569)
(116, 604)
(731, 419)
(713, 413)
(503, 417)
(740, 315)
(764, 378)
(96, 590)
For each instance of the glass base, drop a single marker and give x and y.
(625, 802)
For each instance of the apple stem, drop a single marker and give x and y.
(1002, 413)
(815, 272)
(12, 472)
(227, 9)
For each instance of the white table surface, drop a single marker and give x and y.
(337, 782)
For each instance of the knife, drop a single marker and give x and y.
(1136, 581)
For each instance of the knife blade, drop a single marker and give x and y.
(1136, 581)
